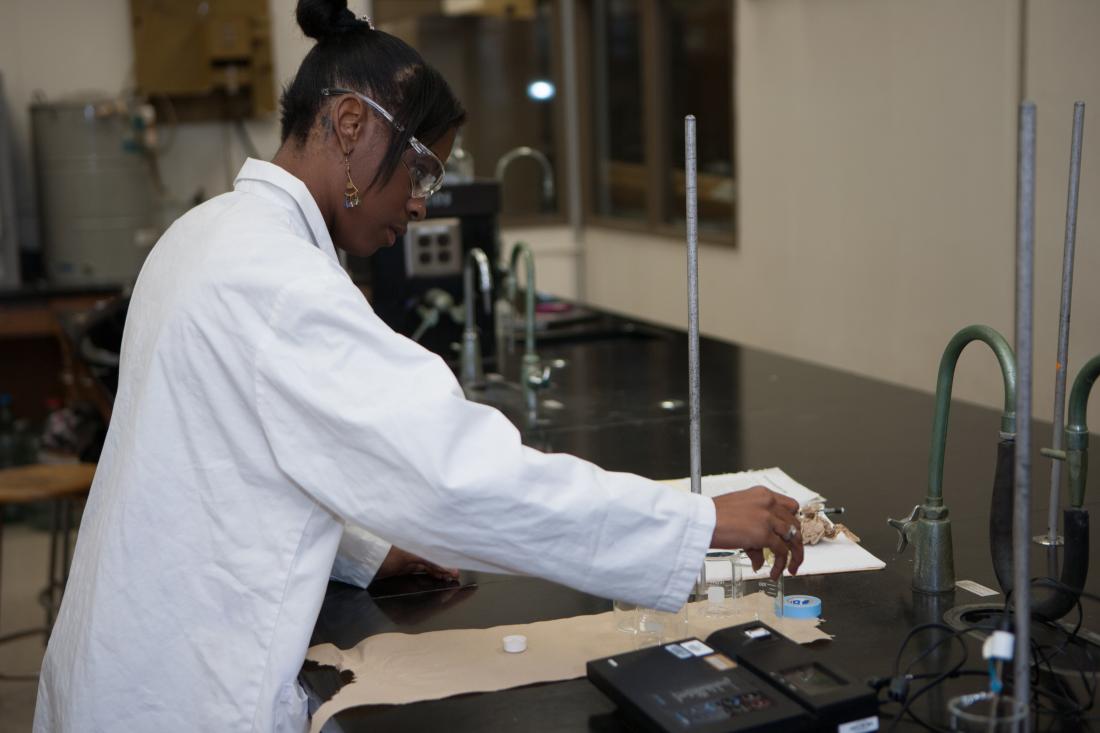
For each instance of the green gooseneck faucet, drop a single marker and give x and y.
(521, 249)
(472, 371)
(928, 526)
(1057, 600)
(1077, 430)
(533, 376)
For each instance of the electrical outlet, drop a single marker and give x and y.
(433, 248)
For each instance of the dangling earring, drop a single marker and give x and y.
(351, 193)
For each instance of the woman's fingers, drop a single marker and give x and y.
(757, 518)
(780, 550)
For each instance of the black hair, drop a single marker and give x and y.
(351, 54)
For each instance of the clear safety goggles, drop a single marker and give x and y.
(425, 169)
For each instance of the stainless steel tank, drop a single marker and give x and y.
(97, 200)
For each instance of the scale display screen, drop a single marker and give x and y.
(812, 679)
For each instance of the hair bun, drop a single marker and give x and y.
(320, 19)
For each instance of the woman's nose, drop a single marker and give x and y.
(417, 208)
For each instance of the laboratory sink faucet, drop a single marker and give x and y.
(928, 526)
(524, 151)
(1077, 430)
(472, 372)
(530, 357)
(1075, 517)
(533, 376)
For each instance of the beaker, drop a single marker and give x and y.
(723, 582)
(986, 712)
(626, 616)
(660, 627)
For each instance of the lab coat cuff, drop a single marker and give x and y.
(359, 557)
(693, 551)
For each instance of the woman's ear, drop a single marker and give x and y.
(348, 122)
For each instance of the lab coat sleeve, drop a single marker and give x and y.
(359, 556)
(376, 429)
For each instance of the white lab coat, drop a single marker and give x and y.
(262, 405)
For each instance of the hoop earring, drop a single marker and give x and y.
(351, 193)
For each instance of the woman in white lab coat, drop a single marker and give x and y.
(263, 409)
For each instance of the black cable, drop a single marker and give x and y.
(935, 681)
(1064, 704)
(955, 634)
(1061, 702)
(926, 675)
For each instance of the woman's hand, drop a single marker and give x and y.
(757, 518)
(399, 562)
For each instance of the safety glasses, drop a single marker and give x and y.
(425, 169)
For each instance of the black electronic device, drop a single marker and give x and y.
(406, 280)
(744, 678)
(837, 700)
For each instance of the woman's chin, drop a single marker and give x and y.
(361, 248)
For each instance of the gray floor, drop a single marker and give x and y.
(23, 577)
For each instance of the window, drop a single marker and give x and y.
(617, 100)
(699, 60)
(503, 65)
(643, 65)
(651, 63)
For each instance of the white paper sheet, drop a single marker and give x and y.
(839, 555)
(772, 478)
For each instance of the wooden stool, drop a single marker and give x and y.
(63, 484)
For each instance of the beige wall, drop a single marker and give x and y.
(877, 171)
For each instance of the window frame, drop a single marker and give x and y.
(656, 130)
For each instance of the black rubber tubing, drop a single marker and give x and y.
(1051, 603)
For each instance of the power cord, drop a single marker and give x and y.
(1060, 701)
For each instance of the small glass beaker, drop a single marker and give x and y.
(986, 712)
(626, 616)
(723, 582)
(660, 627)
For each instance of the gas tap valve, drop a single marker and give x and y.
(903, 525)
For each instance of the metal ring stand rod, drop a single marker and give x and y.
(694, 429)
(1025, 262)
(693, 302)
(1052, 537)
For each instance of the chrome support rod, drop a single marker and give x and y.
(571, 96)
(1060, 365)
(693, 303)
(1025, 263)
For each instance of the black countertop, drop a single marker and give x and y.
(32, 292)
(862, 443)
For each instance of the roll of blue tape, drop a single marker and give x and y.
(802, 607)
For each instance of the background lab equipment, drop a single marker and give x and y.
(928, 525)
(97, 200)
(746, 677)
(430, 257)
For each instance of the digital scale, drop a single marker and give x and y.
(747, 677)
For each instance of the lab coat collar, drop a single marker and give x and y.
(277, 184)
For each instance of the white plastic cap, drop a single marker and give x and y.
(999, 645)
(515, 643)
